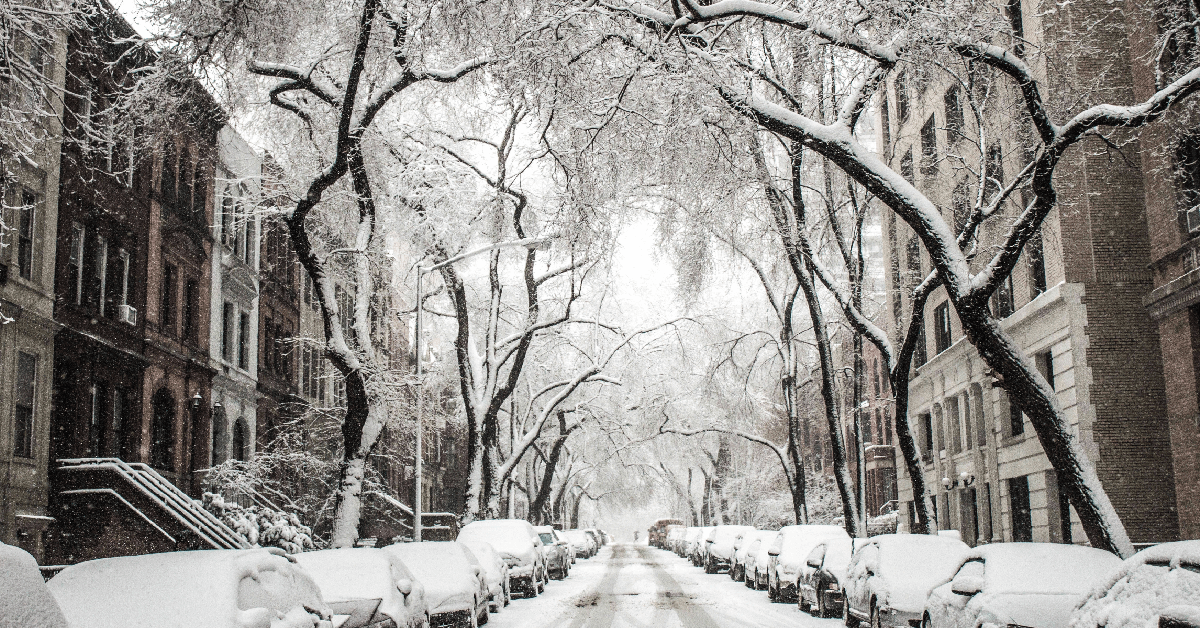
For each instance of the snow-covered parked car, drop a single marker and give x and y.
(757, 560)
(495, 572)
(369, 585)
(698, 546)
(1033, 585)
(455, 588)
(741, 547)
(1162, 580)
(685, 544)
(891, 575)
(787, 556)
(25, 600)
(674, 536)
(820, 587)
(581, 542)
(253, 588)
(557, 552)
(719, 553)
(518, 545)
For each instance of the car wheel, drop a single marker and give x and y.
(484, 617)
(751, 580)
(772, 592)
(507, 594)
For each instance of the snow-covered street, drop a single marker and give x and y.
(636, 586)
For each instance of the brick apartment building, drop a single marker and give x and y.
(1074, 304)
(1170, 167)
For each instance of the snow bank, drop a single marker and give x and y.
(1158, 581)
(257, 588)
(25, 602)
(445, 570)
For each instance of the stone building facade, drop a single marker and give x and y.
(29, 191)
(234, 310)
(1074, 304)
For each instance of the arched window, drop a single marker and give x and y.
(162, 443)
(239, 440)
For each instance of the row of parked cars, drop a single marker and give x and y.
(430, 584)
(937, 581)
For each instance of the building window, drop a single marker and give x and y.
(184, 197)
(25, 225)
(227, 217)
(199, 194)
(100, 273)
(162, 445)
(1037, 264)
(75, 261)
(929, 148)
(913, 251)
(941, 327)
(123, 256)
(25, 396)
(960, 206)
(244, 341)
(1045, 366)
(227, 331)
(906, 166)
(1019, 512)
(1002, 299)
(955, 122)
(902, 105)
(191, 311)
(167, 311)
(926, 423)
(921, 355)
(1016, 419)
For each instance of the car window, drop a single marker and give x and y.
(971, 569)
(547, 538)
(816, 556)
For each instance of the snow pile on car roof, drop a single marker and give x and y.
(25, 602)
(1157, 581)
(196, 589)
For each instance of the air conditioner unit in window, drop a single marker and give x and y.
(127, 314)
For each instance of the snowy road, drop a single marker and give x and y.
(635, 586)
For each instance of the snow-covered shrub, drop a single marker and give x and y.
(262, 526)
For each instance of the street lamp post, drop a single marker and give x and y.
(419, 458)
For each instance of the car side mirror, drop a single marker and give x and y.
(475, 569)
(772, 553)
(814, 563)
(966, 585)
(404, 586)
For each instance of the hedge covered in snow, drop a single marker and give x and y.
(261, 526)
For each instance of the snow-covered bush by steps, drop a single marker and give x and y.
(262, 526)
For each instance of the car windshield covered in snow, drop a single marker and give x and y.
(256, 588)
(366, 573)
